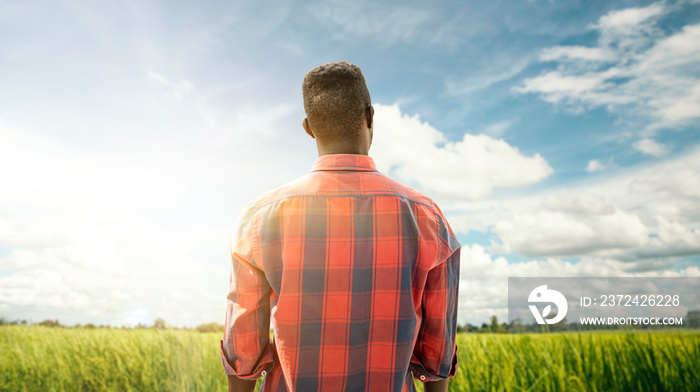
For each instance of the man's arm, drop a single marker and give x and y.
(245, 348)
(434, 358)
(235, 384)
(432, 386)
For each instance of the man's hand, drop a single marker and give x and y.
(435, 386)
(235, 384)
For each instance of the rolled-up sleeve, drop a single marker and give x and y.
(435, 353)
(246, 349)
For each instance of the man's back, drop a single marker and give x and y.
(359, 274)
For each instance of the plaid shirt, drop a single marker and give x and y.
(359, 275)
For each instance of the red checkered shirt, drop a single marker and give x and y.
(359, 275)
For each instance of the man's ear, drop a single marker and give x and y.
(369, 114)
(307, 128)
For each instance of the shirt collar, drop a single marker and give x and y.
(353, 162)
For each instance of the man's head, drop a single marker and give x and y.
(338, 108)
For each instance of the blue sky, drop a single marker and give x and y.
(559, 137)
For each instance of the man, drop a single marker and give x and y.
(358, 272)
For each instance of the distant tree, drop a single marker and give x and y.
(471, 328)
(560, 326)
(693, 319)
(50, 323)
(516, 325)
(90, 326)
(4, 321)
(159, 324)
(484, 328)
(210, 327)
(494, 324)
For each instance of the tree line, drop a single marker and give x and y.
(691, 320)
(159, 323)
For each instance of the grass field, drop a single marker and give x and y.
(76, 359)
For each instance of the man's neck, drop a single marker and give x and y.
(341, 148)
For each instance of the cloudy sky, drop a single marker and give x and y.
(560, 138)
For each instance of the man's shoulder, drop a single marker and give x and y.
(288, 189)
(408, 192)
(445, 231)
(309, 184)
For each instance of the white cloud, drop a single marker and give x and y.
(178, 89)
(119, 228)
(671, 191)
(41, 290)
(673, 239)
(390, 24)
(498, 129)
(494, 73)
(594, 165)
(679, 236)
(648, 215)
(19, 259)
(628, 20)
(635, 69)
(575, 53)
(416, 153)
(580, 203)
(41, 172)
(35, 236)
(571, 224)
(650, 147)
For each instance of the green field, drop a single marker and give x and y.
(78, 359)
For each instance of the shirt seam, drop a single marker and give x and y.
(437, 228)
(345, 194)
(344, 167)
(256, 242)
(258, 263)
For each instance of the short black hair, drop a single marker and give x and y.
(335, 100)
